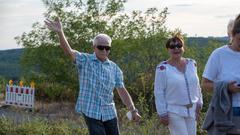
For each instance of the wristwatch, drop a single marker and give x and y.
(134, 110)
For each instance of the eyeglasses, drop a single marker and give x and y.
(102, 47)
(178, 45)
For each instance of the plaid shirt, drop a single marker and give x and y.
(97, 81)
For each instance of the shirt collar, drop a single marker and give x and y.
(94, 58)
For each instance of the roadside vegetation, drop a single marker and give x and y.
(138, 46)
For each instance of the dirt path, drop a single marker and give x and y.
(15, 115)
(49, 111)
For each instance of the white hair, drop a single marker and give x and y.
(230, 29)
(102, 39)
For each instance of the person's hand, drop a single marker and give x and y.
(197, 111)
(136, 117)
(232, 87)
(54, 25)
(164, 120)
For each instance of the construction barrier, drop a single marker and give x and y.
(20, 96)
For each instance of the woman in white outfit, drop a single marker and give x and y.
(177, 91)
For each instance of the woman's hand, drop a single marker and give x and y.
(164, 120)
(197, 111)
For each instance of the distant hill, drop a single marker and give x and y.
(10, 67)
(202, 41)
(10, 63)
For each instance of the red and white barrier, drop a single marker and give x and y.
(20, 96)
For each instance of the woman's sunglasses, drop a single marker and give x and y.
(178, 45)
(102, 47)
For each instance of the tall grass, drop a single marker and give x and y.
(42, 126)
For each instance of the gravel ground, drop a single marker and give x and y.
(15, 114)
(49, 111)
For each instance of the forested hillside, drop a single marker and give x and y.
(10, 67)
(203, 41)
(10, 63)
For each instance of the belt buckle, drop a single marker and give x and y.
(189, 105)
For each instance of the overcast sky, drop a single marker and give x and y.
(193, 17)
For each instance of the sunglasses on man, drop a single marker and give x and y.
(102, 47)
(173, 46)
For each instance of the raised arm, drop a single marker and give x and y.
(57, 27)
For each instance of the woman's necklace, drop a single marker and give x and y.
(180, 65)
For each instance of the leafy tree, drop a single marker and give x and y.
(138, 46)
(43, 60)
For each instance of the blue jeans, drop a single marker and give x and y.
(236, 111)
(98, 127)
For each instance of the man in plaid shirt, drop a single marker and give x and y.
(98, 76)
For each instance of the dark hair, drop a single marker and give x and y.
(174, 39)
(236, 26)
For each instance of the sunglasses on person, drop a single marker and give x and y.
(178, 45)
(102, 47)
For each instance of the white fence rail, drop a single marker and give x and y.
(20, 96)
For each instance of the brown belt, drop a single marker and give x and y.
(188, 105)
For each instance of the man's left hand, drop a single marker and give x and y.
(136, 117)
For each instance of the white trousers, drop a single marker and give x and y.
(179, 125)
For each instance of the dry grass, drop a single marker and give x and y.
(50, 111)
(56, 110)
